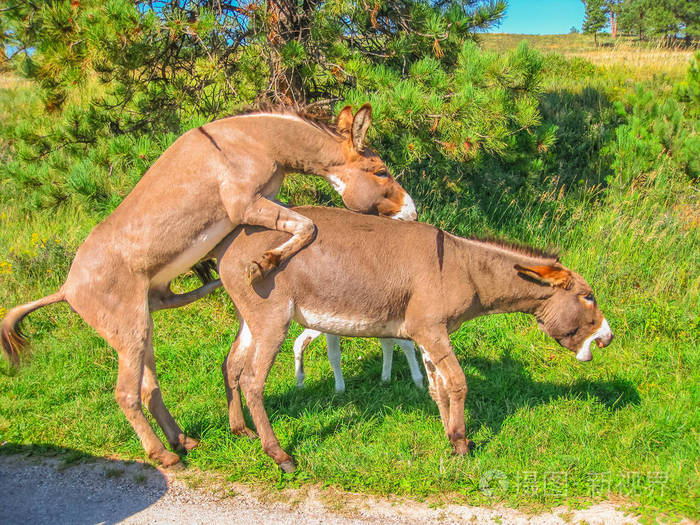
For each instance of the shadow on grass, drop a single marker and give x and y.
(496, 389)
(48, 484)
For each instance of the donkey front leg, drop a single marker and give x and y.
(448, 387)
(275, 217)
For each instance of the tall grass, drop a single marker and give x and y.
(617, 193)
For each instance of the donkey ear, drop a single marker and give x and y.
(549, 275)
(344, 123)
(360, 125)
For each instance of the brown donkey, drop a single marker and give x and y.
(209, 181)
(349, 282)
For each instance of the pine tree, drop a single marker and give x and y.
(595, 17)
(634, 17)
(121, 79)
(667, 19)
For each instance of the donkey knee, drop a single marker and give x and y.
(457, 391)
(306, 227)
(251, 388)
(128, 401)
(305, 230)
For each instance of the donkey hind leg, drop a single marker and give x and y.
(333, 349)
(448, 387)
(152, 397)
(387, 358)
(266, 213)
(257, 366)
(131, 345)
(232, 369)
(300, 344)
(409, 350)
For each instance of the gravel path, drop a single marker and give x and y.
(43, 490)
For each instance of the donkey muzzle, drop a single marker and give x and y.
(602, 337)
(602, 342)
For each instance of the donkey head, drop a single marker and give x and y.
(570, 314)
(363, 180)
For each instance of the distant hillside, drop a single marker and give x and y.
(647, 58)
(568, 43)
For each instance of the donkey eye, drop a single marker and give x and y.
(572, 333)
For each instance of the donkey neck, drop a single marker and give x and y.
(499, 287)
(295, 143)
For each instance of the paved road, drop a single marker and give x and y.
(44, 490)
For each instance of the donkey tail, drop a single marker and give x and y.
(13, 341)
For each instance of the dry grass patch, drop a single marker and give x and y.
(10, 81)
(643, 60)
(645, 63)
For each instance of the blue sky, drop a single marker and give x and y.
(541, 17)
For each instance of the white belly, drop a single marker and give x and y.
(202, 245)
(346, 325)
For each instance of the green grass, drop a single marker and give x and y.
(624, 426)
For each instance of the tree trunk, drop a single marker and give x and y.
(613, 24)
(595, 38)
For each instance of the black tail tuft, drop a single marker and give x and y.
(205, 271)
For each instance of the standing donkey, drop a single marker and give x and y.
(333, 347)
(347, 282)
(212, 179)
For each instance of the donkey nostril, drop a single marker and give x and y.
(602, 342)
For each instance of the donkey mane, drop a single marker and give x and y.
(322, 121)
(516, 247)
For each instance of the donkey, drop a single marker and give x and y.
(333, 348)
(212, 179)
(347, 282)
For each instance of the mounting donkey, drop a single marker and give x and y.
(349, 282)
(212, 179)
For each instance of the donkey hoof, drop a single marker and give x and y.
(253, 272)
(287, 466)
(188, 443)
(270, 261)
(462, 448)
(168, 459)
(244, 432)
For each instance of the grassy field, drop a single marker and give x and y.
(548, 429)
(640, 60)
